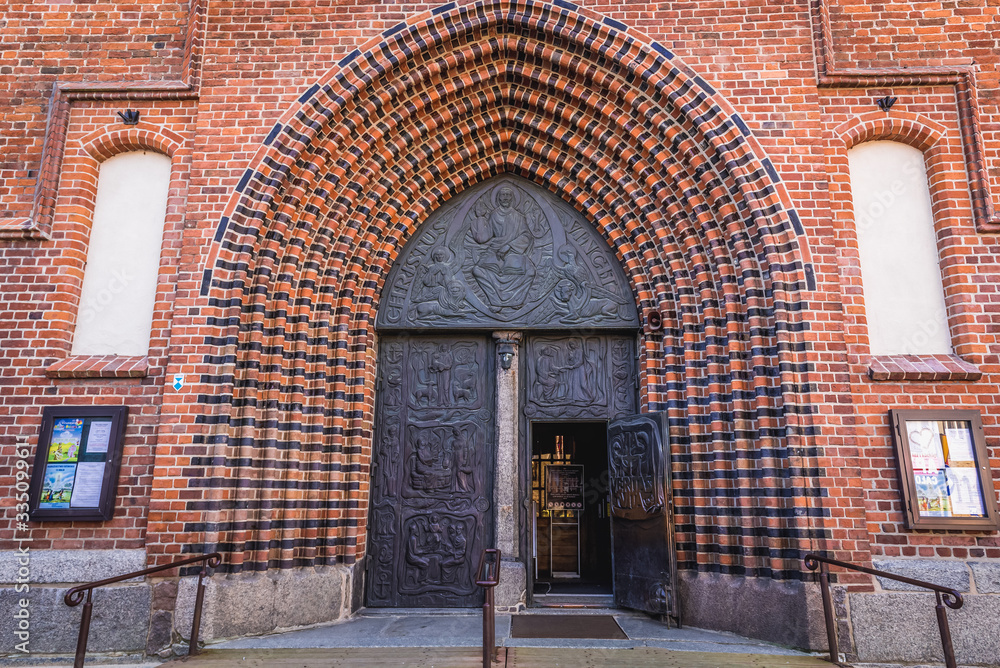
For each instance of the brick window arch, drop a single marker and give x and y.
(897, 172)
(111, 230)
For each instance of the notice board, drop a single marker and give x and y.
(564, 487)
(944, 469)
(78, 458)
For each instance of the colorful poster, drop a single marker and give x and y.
(965, 495)
(66, 436)
(959, 445)
(932, 495)
(925, 446)
(57, 486)
(99, 437)
(87, 487)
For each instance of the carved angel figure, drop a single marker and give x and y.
(439, 290)
(575, 295)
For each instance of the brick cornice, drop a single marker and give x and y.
(38, 225)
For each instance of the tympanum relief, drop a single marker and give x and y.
(508, 255)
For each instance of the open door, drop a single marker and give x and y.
(642, 531)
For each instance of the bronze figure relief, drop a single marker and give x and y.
(510, 255)
(578, 377)
(432, 483)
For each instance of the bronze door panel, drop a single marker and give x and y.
(642, 544)
(432, 471)
(583, 377)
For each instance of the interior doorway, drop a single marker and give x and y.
(571, 526)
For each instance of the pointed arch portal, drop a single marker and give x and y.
(599, 116)
(502, 267)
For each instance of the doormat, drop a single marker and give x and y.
(597, 627)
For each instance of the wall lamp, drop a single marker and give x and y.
(505, 349)
(654, 320)
(885, 103)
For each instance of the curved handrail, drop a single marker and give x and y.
(946, 596)
(75, 596)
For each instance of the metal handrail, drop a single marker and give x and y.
(945, 596)
(75, 596)
(488, 582)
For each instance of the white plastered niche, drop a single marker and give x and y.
(904, 296)
(123, 257)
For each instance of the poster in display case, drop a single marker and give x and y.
(944, 469)
(79, 455)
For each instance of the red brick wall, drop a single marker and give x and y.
(40, 289)
(258, 58)
(969, 272)
(49, 42)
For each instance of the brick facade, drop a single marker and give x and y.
(706, 141)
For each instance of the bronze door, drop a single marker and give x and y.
(642, 539)
(432, 471)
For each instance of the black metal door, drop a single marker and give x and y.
(642, 538)
(432, 471)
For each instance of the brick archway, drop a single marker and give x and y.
(607, 120)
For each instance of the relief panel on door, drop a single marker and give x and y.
(433, 471)
(643, 553)
(579, 377)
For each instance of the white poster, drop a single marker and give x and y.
(963, 488)
(87, 489)
(959, 445)
(925, 446)
(99, 437)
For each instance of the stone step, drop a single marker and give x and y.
(514, 657)
(574, 600)
(388, 628)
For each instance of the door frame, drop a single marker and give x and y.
(528, 545)
(525, 430)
